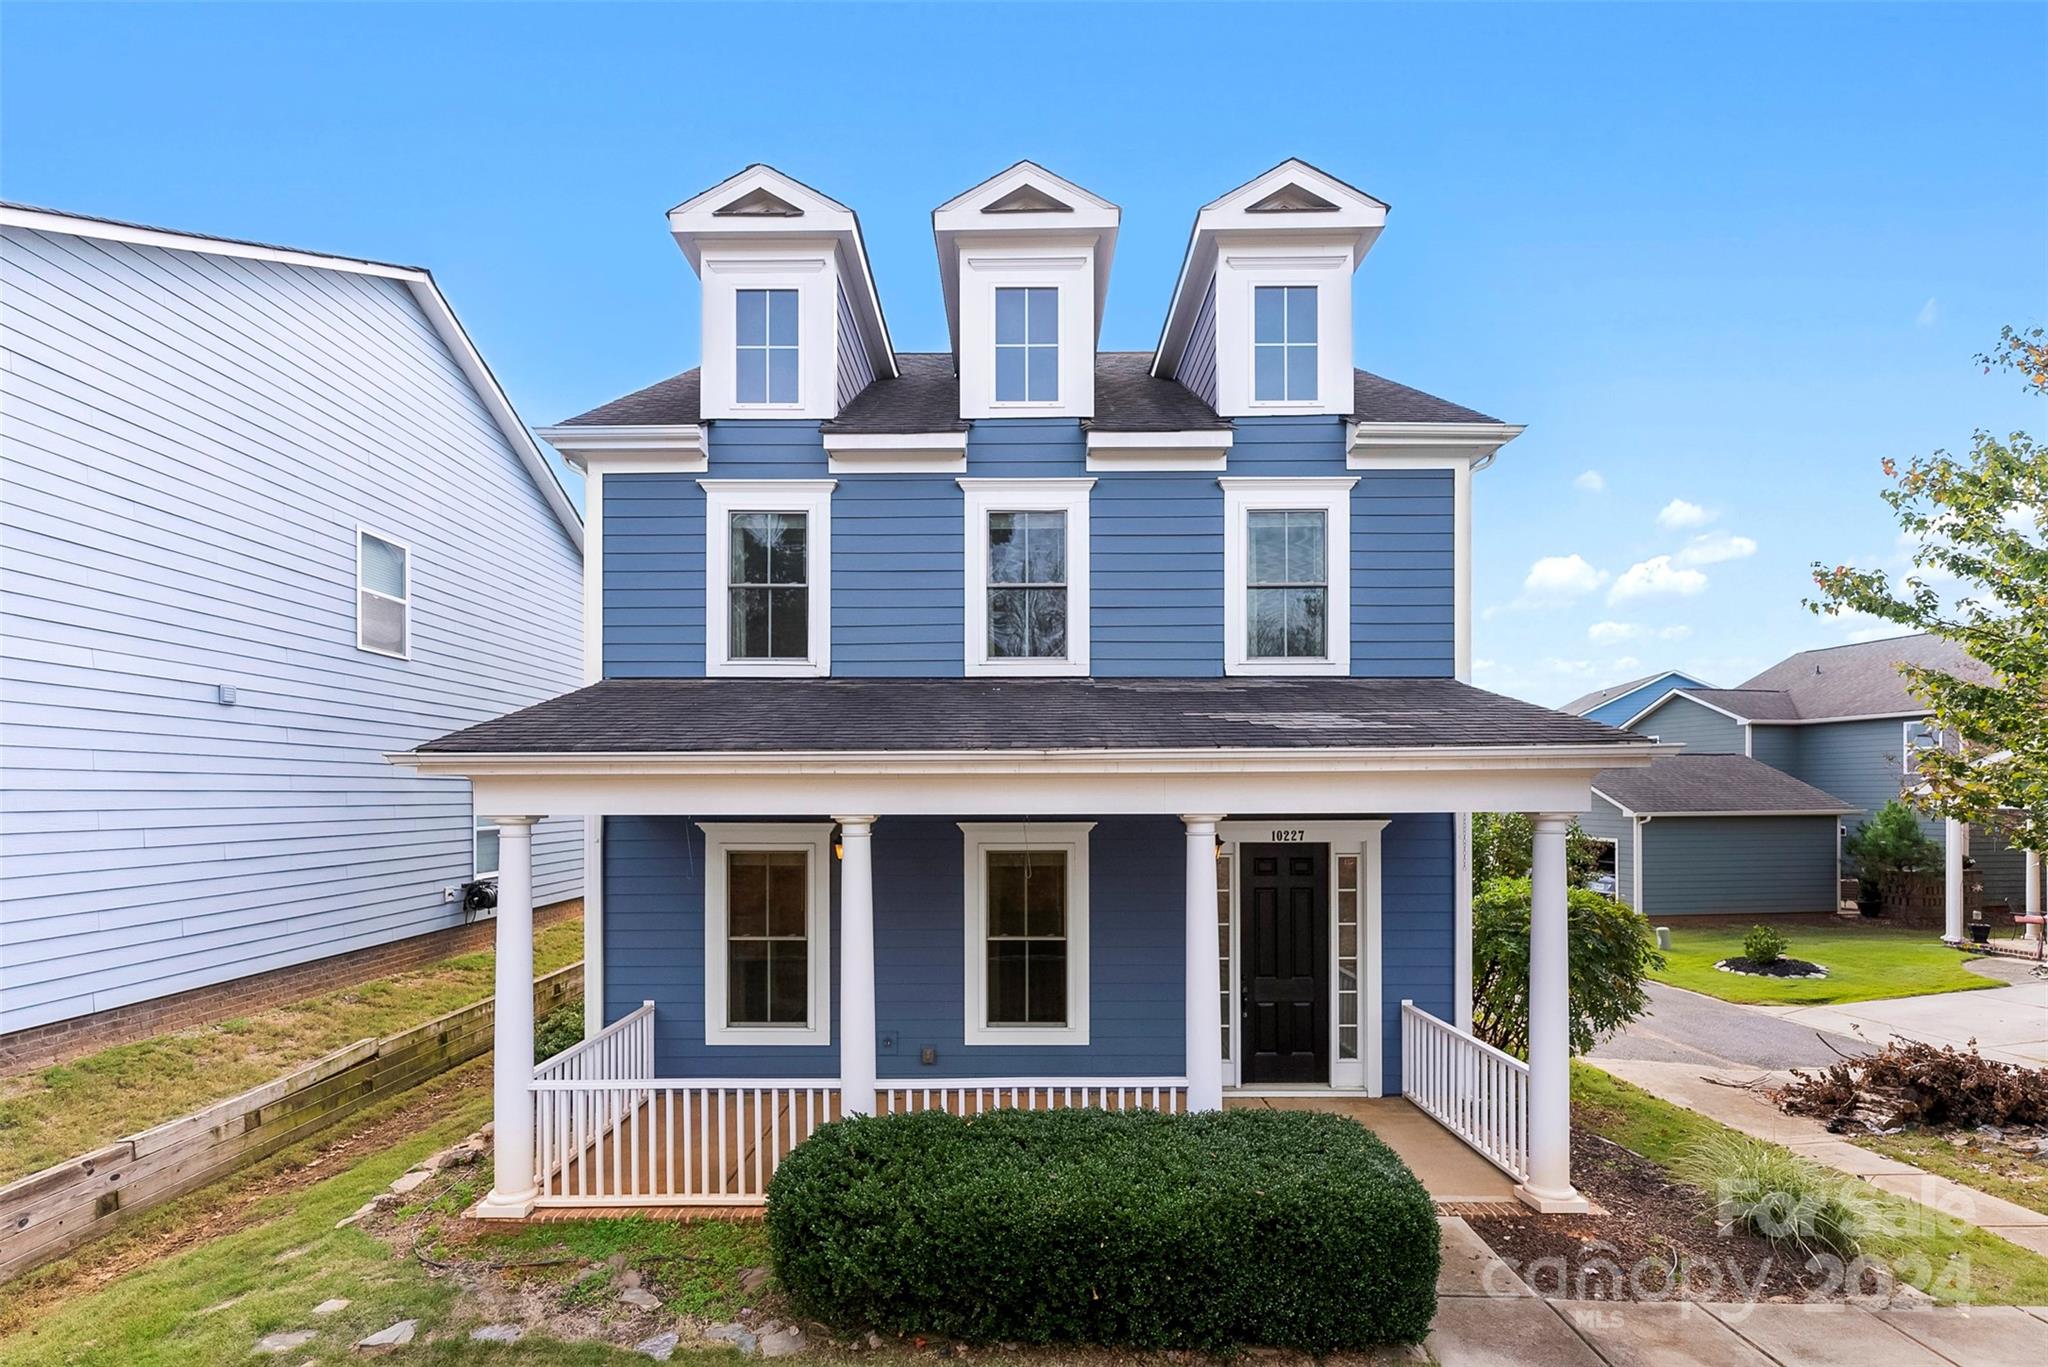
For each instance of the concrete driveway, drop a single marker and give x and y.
(2009, 1024)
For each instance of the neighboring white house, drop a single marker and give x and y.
(264, 516)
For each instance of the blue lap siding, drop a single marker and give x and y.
(1418, 929)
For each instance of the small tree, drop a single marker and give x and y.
(1504, 846)
(1612, 950)
(1891, 843)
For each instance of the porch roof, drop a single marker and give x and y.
(869, 716)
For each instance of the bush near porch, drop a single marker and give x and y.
(1864, 963)
(1288, 1229)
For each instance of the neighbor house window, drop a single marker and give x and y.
(1287, 569)
(766, 915)
(1027, 575)
(766, 335)
(1920, 735)
(383, 596)
(1027, 345)
(767, 581)
(484, 850)
(1284, 343)
(1027, 925)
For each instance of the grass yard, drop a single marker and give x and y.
(1951, 1261)
(1978, 1162)
(1864, 964)
(48, 1115)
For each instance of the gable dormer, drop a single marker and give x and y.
(1260, 324)
(1024, 262)
(792, 324)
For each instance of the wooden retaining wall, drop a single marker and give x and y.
(47, 1214)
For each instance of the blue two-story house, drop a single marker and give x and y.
(1021, 723)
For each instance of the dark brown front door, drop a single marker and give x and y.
(1286, 909)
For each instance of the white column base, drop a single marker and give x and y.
(498, 1206)
(1569, 1202)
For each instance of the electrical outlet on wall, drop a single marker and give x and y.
(886, 1044)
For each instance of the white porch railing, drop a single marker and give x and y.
(972, 1096)
(623, 1049)
(1469, 1087)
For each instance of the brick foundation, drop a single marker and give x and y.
(41, 1045)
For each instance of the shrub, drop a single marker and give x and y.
(1286, 1228)
(1772, 1193)
(1612, 949)
(1763, 945)
(559, 1029)
(1891, 843)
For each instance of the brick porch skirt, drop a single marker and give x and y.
(41, 1045)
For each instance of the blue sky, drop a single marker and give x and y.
(1724, 259)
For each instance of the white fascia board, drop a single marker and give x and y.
(141, 235)
(1828, 721)
(668, 447)
(1625, 811)
(1199, 450)
(1793, 811)
(1687, 695)
(1396, 445)
(896, 453)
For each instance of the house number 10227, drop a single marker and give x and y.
(1286, 837)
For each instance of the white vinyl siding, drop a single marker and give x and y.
(191, 444)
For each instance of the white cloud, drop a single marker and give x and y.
(1591, 482)
(1678, 514)
(1656, 577)
(1569, 669)
(1677, 633)
(1612, 633)
(1711, 548)
(1627, 662)
(1558, 579)
(1929, 311)
(1862, 626)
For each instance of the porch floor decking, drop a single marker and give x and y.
(1449, 1171)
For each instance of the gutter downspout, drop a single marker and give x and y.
(1636, 873)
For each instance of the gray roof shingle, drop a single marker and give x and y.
(1863, 680)
(1586, 702)
(1752, 704)
(1683, 784)
(676, 401)
(759, 715)
(1376, 399)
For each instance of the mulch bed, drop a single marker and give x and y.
(1659, 1240)
(1776, 968)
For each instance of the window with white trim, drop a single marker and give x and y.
(1919, 735)
(767, 576)
(1287, 570)
(1284, 343)
(767, 920)
(1027, 344)
(1027, 933)
(765, 346)
(1027, 575)
(383, 595)
(483, 849)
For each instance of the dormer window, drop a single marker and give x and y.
(1027, 345)
(765, 333)
(1284, 343)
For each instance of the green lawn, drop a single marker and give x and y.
(1975, 1161)
(1949, 1260)
(1863, 963)
(71, 1108)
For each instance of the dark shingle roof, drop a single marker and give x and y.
(1705, 784)
(757, 715)
(1585, 703)
(1863, 680)
(926, 398)
(1751, 704)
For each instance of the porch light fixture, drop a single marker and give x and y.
(1219, 847)
(839, 843)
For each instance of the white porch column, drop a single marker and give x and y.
(1549, 1188)
(2033, 876)
(856, 965)
(1958, 833)
(514, 1184)
(1204, 1019)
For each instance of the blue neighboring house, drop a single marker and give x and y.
(1733, 835)
(1617, 704)
(268, 517)
(1021, 722)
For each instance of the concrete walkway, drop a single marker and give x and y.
(1488, 1317)
(2011, 1024)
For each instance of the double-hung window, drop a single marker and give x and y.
(383, 596)
(1027, 933)
(1027, 575)
(1027, 344)
(1287, 570)
(765, 335)
(767, 951)
(1284, 343)
(768, 568)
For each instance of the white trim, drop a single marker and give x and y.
(987, 265)
(1908, 749)
(984, 496)
(1332, 497)
(1629, 725)
(1197, 450)
(404, 602)
(978, 840)
(593, 925)
(896, 453)
(593, 575)
(1636, 865)
(723, 498)
(815, 839)
(477, 826)
(1364, 1074)
(1374, 444)
(1642, 684)
(666, 445)
(1829, 721)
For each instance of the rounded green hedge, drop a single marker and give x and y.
(1283, 1228)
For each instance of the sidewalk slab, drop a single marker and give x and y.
(1470, 1268)
(1484, 1331)
(1981, 1336)
(1659, 1334)
(1831, 1335)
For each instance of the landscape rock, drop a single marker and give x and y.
(273, 1344)
(410, 1181)
(874, 1339)
(643, 1300)
(388, 1340)
(329, 1307)
(752, 1279)
(630, 1277)
(498, 1333)
(661, 1347)
(782, 1343)
(738, 1335)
